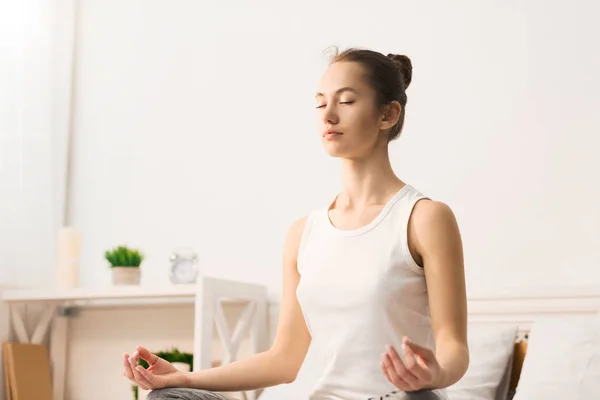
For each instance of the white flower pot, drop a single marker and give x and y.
(185, 367)
(125, 275)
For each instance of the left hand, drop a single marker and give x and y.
(159, 374)
(420, 371)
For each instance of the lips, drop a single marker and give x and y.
(331, 132)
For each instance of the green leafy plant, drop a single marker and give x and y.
(122, 256)
(173, 355)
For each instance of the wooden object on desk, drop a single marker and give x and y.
(27, 369)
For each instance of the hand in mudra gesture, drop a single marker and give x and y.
(159, 374)
(419, 371)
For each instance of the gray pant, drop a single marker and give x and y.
(195, 394)
(418, 395)
(183, 394)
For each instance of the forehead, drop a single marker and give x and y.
(343, 74)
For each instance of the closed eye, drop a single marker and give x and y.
(343, 102)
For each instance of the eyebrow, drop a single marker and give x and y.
(341, 90)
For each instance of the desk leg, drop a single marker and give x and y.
(58, 355)
(18, 326)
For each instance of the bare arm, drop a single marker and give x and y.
(281, 363)
(434, 235)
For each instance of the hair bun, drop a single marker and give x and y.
(405, 66)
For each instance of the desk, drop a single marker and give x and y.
(208, 296)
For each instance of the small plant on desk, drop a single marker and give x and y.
(125, 265)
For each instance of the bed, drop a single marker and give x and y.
(525, 345)
(550, 338)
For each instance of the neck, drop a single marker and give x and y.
(368, 180)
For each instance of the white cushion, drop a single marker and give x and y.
(562, 361)
(490, 352)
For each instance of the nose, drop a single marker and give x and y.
(330, 116)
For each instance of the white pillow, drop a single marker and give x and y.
(490, 352)
(562, 361)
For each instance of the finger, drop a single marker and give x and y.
(152, 379)
(394, 381)
(404, 373)
(127, 368)
(388, 369)
(392, 376)
(129, 374)
(425, 353)
(420, 370)
(145, 355)
(384, 370)
(133, 362)
(143, 380)
(400, 367)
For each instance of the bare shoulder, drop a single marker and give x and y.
(294, 237)
(432, 227)
(296, 229)
(430, 214)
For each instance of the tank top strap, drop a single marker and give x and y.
(401, 215)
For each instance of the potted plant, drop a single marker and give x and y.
(125, 265)
(181, 360)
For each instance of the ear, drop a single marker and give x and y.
(390, 116)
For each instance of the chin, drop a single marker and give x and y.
(337, 151)
(347, 149)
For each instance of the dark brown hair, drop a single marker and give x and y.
(388, 75)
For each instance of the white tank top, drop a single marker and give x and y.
(360, 290)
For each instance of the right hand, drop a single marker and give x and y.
(159, 374)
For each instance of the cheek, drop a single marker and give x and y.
(364, 122)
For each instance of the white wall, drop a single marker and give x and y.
(36, 56)
(194, 125)
(26, 219)
(35, 60)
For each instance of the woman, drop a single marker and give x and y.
(374, 282)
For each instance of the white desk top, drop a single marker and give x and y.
(113, 292)
(231, 291)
